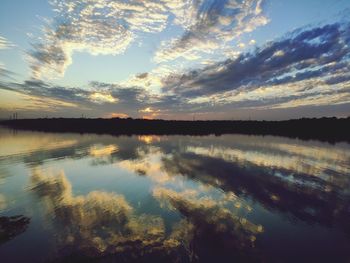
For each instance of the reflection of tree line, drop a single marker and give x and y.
(104, 224)
(12, 226)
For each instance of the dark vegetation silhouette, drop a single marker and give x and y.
(326, 129)
(12, 226)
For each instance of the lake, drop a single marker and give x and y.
(233, 198)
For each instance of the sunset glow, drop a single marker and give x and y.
(221, 59)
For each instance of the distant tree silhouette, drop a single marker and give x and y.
(329, 129)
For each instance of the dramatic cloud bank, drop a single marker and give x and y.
(110, 27)
(310, 67)
(307, 68)
(211, 27)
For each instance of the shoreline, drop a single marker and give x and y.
(324, 129)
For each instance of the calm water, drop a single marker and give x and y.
(233, 198)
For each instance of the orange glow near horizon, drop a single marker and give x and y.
(148, 139)
(117, 115)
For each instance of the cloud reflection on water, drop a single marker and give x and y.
(102, 223)
(211, 188)
(99, 223)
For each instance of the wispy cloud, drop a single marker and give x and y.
(4, 72)
(211, 27)
(90, 26)
(98, 99)
(5, 44)
(110, 27)
(303, 64)
(306, 68)
(96, 27)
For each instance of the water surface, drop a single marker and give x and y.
(231, 198)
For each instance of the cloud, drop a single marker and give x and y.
(209, 217)
(252, 42)
(4, 72)
(240, 155)
(97, 27)
(281, 156)
(117, 115)
(306, 68)
(96, 93)
(5, 44)
(213, 25)
(142, 75)
(97, 99)
(79, 26)
(152, 80)
(102, 27)
(102, 224)
(303, 64)
(150, 112)
(102, 97)
(46, 90)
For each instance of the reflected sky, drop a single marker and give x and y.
(174, 198)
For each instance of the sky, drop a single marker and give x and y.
(175, 59)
